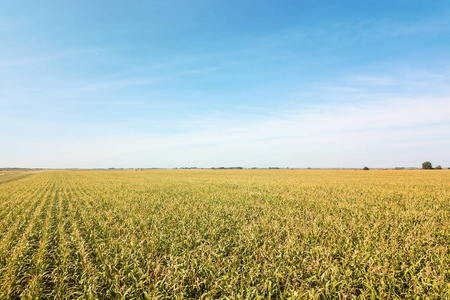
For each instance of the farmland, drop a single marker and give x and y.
(236, 234)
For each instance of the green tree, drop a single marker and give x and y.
(365, 168)
(438, 167)
(427, 165)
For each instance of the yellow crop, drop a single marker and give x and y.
(231, 234)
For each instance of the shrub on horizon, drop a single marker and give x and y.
(427, 165)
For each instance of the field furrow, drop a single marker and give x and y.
(44, 260)
(87, 270)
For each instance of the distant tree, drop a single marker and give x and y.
(438, 167)
(427, 165)
(365, 168)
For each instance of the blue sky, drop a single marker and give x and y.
(224, 83)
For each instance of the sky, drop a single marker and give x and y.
(127, 84)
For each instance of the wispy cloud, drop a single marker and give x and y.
(361, 134)
(22, 61)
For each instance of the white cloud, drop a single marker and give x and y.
(23, 61)
(379, 134)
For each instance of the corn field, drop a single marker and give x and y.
(226, 234)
